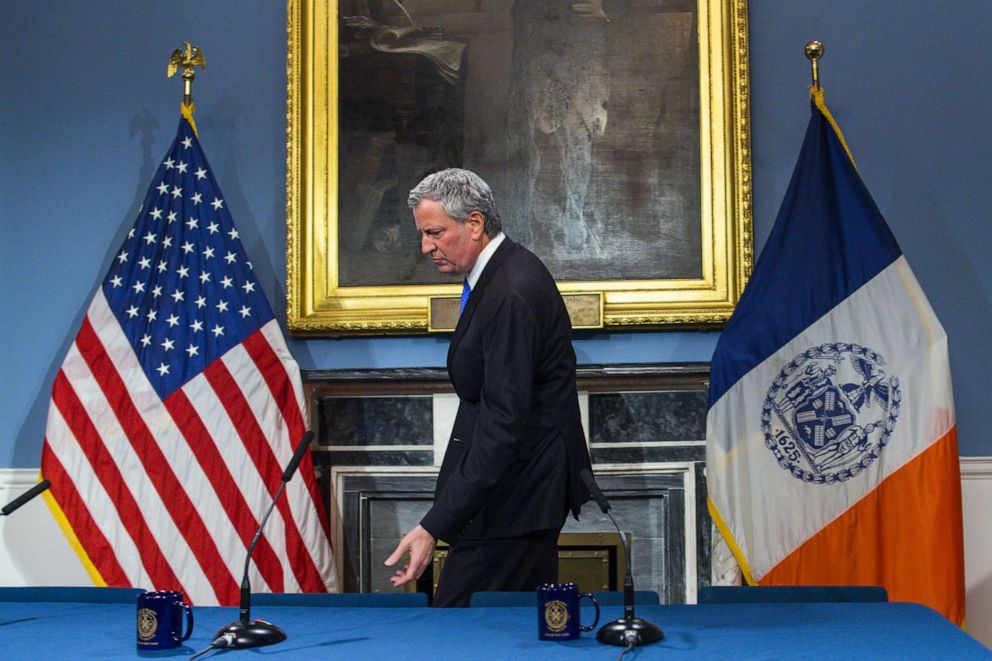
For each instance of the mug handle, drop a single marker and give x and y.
(595, 602)
(189, 621)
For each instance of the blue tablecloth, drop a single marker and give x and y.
(753, 631)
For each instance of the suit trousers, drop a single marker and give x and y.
(513, 564)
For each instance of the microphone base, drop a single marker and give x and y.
(626, 631)
(256, 633)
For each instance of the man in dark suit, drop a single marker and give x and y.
(511, 471)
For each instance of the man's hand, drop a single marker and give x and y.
(420, 545)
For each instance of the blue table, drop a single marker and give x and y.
(719, 631)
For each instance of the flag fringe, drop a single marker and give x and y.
(187, 110)
(724, 530)
(74, 543)
(816, 93)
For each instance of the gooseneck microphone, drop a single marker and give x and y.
(256, 633)
(628, 631)
(24, 497)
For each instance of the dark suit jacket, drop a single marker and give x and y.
(517, 445)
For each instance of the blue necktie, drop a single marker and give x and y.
(466, 290)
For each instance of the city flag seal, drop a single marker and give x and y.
(830, 412)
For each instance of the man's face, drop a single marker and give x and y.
(453, 246)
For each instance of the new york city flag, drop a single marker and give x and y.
(831, 442)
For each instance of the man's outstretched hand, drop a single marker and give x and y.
(420, 545)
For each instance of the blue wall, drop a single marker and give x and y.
(86, 112)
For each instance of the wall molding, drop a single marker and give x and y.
(975, 468)
(18, 478)
(972, 468)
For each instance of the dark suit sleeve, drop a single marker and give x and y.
(510, 346)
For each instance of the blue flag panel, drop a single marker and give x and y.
(181, 285)
(807, 266)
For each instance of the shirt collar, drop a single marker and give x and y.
(484, 257)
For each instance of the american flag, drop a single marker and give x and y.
(177, 407)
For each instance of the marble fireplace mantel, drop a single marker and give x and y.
(381, 435)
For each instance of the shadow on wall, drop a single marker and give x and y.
(146, 128)
(219, 130)
(979, 600)
(954, 288)
(34, 549)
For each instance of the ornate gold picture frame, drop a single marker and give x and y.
(615, 135)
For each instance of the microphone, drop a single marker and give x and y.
(23, 499)
(294, 463)
(628, 631)
(256, 633)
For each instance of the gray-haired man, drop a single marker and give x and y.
(511, 471)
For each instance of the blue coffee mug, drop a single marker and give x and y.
(160, 620)
(558, 611)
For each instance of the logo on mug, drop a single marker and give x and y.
(556, 615)
(147, 623)
(558, 612)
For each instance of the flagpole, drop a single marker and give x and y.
(814, 51)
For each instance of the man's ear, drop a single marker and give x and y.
(477, 224)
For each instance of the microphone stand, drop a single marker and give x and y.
(23, 499)
(627, 631)
(246, 632)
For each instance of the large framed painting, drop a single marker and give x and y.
(614, 134)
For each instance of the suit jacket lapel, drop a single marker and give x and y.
(473, 300)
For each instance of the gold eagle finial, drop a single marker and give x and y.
(186, 58)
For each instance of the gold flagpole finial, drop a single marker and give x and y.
(814, 51)
(186, 58)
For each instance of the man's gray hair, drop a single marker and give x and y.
(460, 192)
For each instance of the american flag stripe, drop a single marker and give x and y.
(161, 511)
(186, 520)
(210, 411)
(100, 458)
(259, 400)
(250, 393)
(195, 493)
(289, 380)
(85, 499)
(102, 554)
(260, 361)
(269, 575)
(177, 407)
(245, 425)
(269, 365)
(268, 349)
(215, 470)
(287, 391)
(268, 466)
